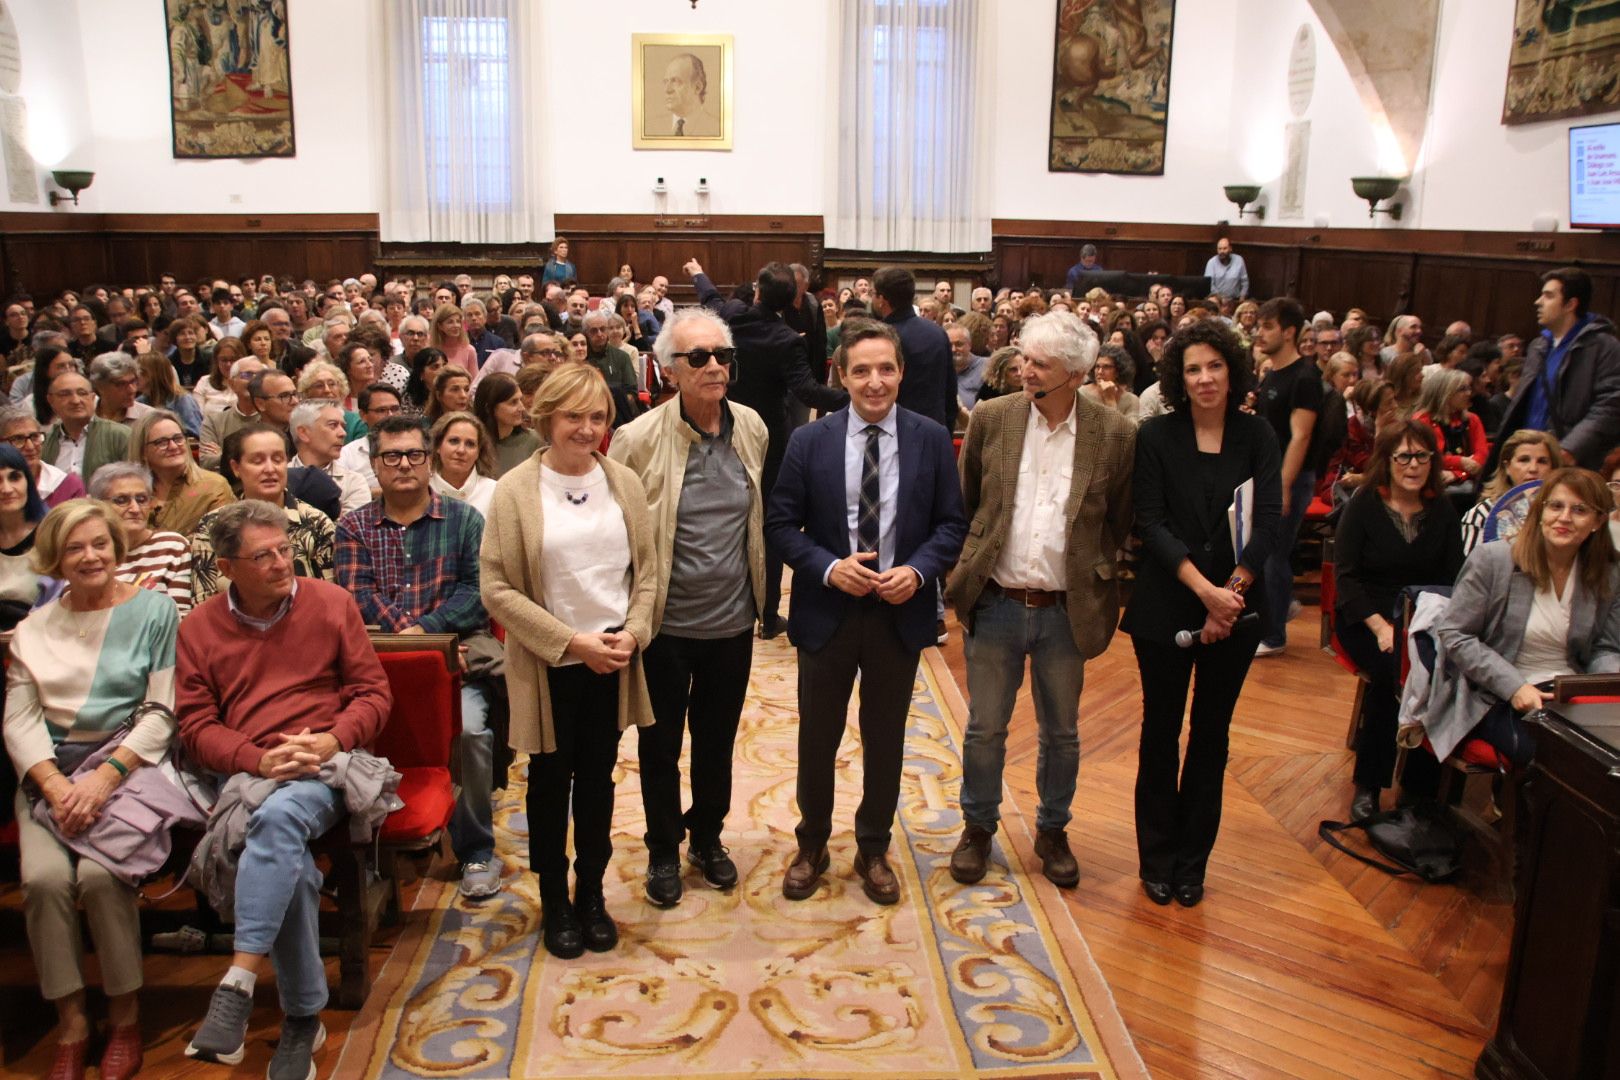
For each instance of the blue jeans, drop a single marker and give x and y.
(1004, 633)
(278, 890)
(472, 824)
(1279, 569)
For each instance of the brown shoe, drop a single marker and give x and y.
(878, 881)
(1057, 861)
(804, 873)
(972, 855)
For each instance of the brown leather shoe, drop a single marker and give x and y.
(68, 1064)
(804, 873)
(1057, 861)
(122, 1058)
(971, 858)
(877, 880)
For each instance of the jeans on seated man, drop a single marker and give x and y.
(411, 560)
(275, 676)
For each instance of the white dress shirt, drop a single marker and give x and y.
(1033, 557)
(70, 451)
(356, 458)
(888, 484)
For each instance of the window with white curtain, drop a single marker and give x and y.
(464, 62)
(910, 167)
(463, 162)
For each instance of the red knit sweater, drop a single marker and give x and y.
(237, 688)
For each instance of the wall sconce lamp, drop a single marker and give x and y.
(1241, 195)
(74, 181)
(1375, 189)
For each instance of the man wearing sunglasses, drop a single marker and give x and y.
(772, 362)
(701, 459)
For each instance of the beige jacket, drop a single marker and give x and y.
(655, 446)
(1098, 509)
(510, 583)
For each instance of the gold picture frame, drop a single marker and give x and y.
(694, 69)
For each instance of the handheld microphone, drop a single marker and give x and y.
(1186, 639)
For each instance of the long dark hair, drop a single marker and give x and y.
(416, 389)
(43, 359)
(492, 391)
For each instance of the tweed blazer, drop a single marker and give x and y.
(655, 445)
(511, 585)
(1098, 510)
(1482, 632)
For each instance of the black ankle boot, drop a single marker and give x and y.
(600, 935)
(559, 926)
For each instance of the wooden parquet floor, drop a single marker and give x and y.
(1300, 962)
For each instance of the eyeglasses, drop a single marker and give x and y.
(167, 440)
(23, 442)
(1412, 457)
(413, 333)
(395, 458)
(123, 501)
(385, 410)
(286, 397)
(701, 357)
(267, 557)
(1613, 485)
(126, 382)
(1558, 509)
(555, 354)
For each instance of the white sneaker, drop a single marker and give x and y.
(1269, 650)
(480, 880)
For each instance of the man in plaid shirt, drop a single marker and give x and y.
(411, 560)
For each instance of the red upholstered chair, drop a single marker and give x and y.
(424, 675)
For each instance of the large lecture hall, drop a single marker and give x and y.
(810, 539)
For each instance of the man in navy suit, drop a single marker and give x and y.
(864, 565)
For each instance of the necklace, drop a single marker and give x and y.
(569, 495)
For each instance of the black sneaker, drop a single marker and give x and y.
(224, 1028)
(715, 862)
(664, 883)
(301, 1036)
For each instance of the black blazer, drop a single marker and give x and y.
(771, 363)
(1375, 562)
(1179, 517)
(809, 322)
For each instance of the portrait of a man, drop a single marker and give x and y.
(682, 93)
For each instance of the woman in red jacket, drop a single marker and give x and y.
(1461, 435)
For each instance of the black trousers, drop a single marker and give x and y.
(698, 683)
(585, 721)
(1375, 744)
(1176, 821)
(773, 563)
(865, 642)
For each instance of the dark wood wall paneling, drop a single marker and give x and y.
(45, 253)
(1486, 278)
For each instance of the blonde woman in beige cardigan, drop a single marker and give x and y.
(570, 571)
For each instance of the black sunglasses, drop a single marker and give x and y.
(701, 357)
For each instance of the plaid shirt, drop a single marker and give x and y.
(422, 574)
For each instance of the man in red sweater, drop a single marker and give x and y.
(275, 676)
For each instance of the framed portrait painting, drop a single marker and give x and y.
(1111, 86)
(230, 82)
(681, 91)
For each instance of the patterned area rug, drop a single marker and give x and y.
(954, 981)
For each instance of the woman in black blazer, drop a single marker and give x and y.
(1398, 530)
(1188, 464)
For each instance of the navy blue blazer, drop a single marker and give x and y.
(807, 524)
(929, 384)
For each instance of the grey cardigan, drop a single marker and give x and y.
(1482, 631)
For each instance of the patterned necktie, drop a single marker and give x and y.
(680, 125)
(866, 526)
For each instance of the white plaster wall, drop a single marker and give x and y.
(53, 91)
(779, 137)
(1197, 152)
(336, 74)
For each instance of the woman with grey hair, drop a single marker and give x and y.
(1443, 405)
(20, 428)
(153, 559)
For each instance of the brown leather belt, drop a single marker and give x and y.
(1030, 598)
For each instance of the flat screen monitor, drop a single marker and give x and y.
(1594, 176)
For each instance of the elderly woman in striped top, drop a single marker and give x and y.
(80, 665)
(153, 559)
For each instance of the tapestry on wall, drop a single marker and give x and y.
(230, 89)
(1565, 60)
(1111, 86)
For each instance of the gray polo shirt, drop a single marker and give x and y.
(709, 594)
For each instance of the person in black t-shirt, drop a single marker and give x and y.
(1290, 399)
